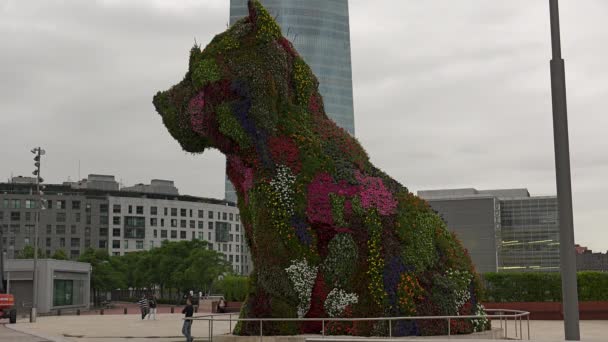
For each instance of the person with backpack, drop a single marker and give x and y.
(143, 306)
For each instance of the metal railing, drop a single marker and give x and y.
(503, 315)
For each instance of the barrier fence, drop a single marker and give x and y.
(503, 315)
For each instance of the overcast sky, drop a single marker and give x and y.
(448, 94)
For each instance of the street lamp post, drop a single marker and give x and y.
(564, 187)
(39, 152)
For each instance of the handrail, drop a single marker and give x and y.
(501, 314)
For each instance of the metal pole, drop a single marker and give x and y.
(521, 334)
(449, 328)
(2, 264)
(390, 328)
(37, 222)
(528, 326)
(260, 330)
(323, 327)
(564, 189)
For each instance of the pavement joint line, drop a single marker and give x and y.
(15, 327)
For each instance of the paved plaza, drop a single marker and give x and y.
(123, 328)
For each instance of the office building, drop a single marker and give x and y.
(587, 260)
(320, 32)
(95, 213)
(504, 230)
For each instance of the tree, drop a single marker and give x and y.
(104, 276)
(28, 253)
(59, 255)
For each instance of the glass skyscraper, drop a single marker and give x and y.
(319, 30)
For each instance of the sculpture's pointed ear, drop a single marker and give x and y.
(253, 12)
(264, 24)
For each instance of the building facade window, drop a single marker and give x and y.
(60, 217)
(201, 214)
(139, 210)
(116, 208)
(75, 205)
(153, 210)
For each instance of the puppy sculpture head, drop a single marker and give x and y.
(235, 87)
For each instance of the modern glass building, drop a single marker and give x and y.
(504, 230)
(530, 234)
(319, 30)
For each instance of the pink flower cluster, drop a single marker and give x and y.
(240, 175)
(285, 151)
(375, 195)
(318, 209)
(195, 109)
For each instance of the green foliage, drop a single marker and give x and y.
(230, 127)
(375, 260)
(28, 253)
(267, 28)
(182, 265)
(104, 275)
(59, 255)
(205, 72)
(337, 209)
(542, 286)
(339, 265)
(418, 239)
(234, 288)
(303, 79)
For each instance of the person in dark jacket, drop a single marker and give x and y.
(188, 311)
(143, 306)
(152, 303)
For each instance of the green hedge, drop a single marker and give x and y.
(542, 287)
(234, 288)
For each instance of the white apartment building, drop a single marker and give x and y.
(141, 222)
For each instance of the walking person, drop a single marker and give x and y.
(143, 306)
(188, 311)
(152, 303)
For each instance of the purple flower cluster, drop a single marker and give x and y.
(392, 273)
(301, 229)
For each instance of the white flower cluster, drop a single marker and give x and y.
(282, 185)
(479, 323)
(303, 278)
(461, 280)
(337, 300)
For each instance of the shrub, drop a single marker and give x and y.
(234, 288)
(542, 287)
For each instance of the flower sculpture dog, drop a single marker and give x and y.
(330, 235)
